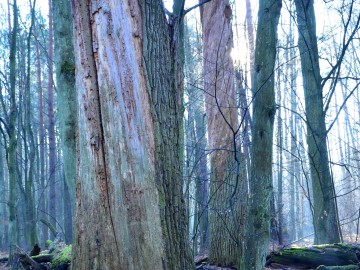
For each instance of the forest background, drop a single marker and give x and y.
(313, 155)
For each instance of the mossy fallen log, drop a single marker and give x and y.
(60, 259)
(344, 267)
(315, 256)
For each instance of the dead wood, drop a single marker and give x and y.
(315, 256)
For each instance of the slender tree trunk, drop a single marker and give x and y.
(42, 209)
(30, 149)
(280, 201)
(11, 149)
(66, 97)
(251, 36)
(51, 125)
(222, 125)
(197, 131)
(325, 221)
(3, 217)
(257, 226)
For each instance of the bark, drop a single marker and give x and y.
(128, 166)
(222, 125)
(325, 213)
(250, 33)
(280, 142)
(51, 124)
(3, 211)
(202, 183)
(11, 148)
(116, 192)
(30, 146)
(257, 226)
(42, 202)
(66, 97)
(163, 59)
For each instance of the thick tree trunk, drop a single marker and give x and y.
(129, 140)
(325, 221)
(163, 60)
(117, 215)
(257, 226)
(66, 97)
(222, 125)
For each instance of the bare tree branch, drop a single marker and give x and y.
(193, 7)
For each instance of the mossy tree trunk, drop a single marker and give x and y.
(325, 220)
(257, 226)
(130, 210)
(66, 97)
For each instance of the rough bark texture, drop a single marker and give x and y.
(325, 216)
(257, 225)
(66, 97)
(162, 48)
(128, 118)
(222, 124)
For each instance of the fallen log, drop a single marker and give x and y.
(345, 267)
(29, 263)
(315, 256)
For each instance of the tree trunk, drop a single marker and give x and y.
(128, 120)
(280, 180)
(11, 149)
(163, 58)
(325, 221)
(42, 209)
(31, 228)
(197, 131)
(222, 124)
(66, 97)
(257, 224)
(51, 126)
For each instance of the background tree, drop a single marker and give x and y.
(51, 125)
(223, 129)
(257, 225)
(66, 97)
(325, 221)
